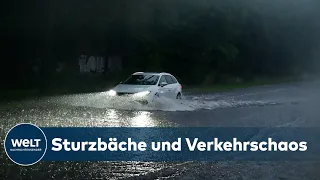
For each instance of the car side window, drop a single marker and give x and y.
(174, 80)
(168, 79)
(162, 79)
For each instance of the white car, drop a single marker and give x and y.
(145, 87)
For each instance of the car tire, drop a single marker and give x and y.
(178, 96)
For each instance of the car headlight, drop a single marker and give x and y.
(112, 93)
(141, 94)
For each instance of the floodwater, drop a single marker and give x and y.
(284, 105)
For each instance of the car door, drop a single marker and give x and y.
(170, 87)
(175, 86)
(163, 90)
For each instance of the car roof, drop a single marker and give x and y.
(152, 73)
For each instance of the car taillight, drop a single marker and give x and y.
(180, 86)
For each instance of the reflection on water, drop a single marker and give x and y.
(97, 110)
(142, 119)
(116, 118)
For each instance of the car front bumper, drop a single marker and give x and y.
(147, 99)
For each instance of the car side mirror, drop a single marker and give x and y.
(162, 84)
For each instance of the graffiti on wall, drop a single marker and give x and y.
(91, 64)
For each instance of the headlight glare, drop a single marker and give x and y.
(112, 93)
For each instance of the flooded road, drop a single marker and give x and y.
(285, 105)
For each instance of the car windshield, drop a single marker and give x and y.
(142, 79)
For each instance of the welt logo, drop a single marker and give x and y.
(25, 143)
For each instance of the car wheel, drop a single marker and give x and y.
(178, 96)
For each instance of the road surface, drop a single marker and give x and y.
(284, 105)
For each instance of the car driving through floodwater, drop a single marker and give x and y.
(145, 87)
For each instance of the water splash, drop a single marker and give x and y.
(188, 103)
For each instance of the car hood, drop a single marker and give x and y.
(131, 88)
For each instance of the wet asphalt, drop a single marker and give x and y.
(283, 105)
